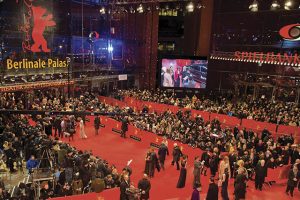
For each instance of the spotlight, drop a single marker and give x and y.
(110, 48)
(131, 10)
(140, 9)
(102, 10)
(288, 4)
(190, 7)
(157, 7)
(167, 7)
(275, 5)
(254, 6)
(199, 6)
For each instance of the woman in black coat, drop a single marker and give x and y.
(260, 174)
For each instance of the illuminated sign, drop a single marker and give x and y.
(36, 64)
(269, 57)
(290, 32)
(37, 19)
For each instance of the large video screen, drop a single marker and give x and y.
(184, 73)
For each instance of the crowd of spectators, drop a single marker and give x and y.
(73, 171)
(76, 169)
(261, 109)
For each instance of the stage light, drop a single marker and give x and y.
(288, 4)
(254, 6)
(167, 7)
(60, 46)
(275, 5)
(140, 9)
(102, 10)
(131, 10)
(157, 7)
(190, 7)
(199, 6)
(110, 48)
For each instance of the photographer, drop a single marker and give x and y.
(31, 164)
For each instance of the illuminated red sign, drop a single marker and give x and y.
(290, 32)
(36, 20)
(269, 57)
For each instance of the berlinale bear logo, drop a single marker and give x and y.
(41, 20)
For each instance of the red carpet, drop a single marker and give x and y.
(118, 151)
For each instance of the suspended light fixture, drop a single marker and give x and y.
(140, 9)
(275, 5)
(254, 6)
(288, 4)
(131, 10)
(190, 7)
(199, 6)
(102, 10)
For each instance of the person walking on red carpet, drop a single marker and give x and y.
(82, 129)
(144, 186)
(124, 127)
(196, 192)
(124, 186)
(213, 190)
(293, 178)
(182, 176)
(97, 124)
(177, 154)
(197, 171)
(163, 151)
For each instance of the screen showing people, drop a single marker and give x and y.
(183, 73)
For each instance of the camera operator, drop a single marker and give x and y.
(68, 165)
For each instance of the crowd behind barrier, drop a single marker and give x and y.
(226, 120)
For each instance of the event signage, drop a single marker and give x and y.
(37, 19)
(270, 57)
(290, 32)
(36, 64)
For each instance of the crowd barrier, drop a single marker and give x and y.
(226, 120)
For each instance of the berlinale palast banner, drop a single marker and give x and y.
(34, 49)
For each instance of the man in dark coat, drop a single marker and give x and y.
(213, 164)
(57, 127)
(176, 155)
(163, 151)
(293, 178)
(260, 174)
(197, 171)
(205, 157)
(213, 190)
(144, 185)
(124, 127)
(97, 124)
(125, 184)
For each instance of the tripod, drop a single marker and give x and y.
(47, 159)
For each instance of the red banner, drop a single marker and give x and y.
(258, 126)
(295, 130)
(225, 119)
